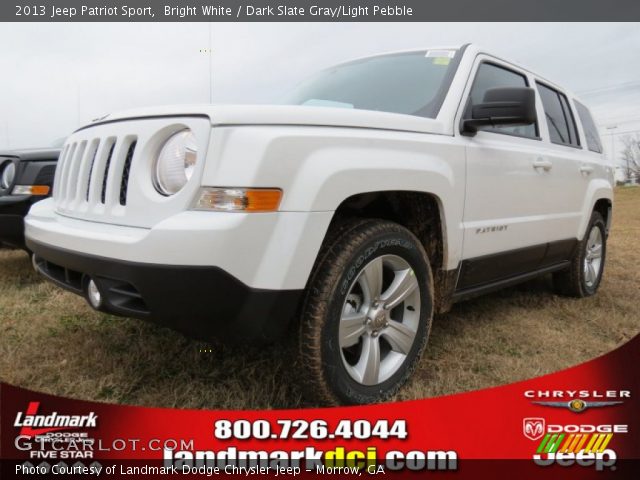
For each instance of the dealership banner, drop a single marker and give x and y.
(582, 422)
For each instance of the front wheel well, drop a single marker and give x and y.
(420, 213)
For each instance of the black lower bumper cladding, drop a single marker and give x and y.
(203, 302)
(13, 209)
(12, 230)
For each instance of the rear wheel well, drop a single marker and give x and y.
(420, 213)
(603, 206)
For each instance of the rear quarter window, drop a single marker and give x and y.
(589, 126)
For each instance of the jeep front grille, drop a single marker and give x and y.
(105, 172)
(45, 175)
(91, 172)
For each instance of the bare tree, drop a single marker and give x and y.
(630, 155)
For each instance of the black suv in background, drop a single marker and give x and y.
(26, 176)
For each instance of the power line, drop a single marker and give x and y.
(610, 87)
(621, 119)
(613, 124)
(613, 133)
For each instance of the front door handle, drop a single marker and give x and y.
(586, 169)
(544, 164)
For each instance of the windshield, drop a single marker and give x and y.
(411, 83)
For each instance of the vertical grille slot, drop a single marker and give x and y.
(95, 146)
(124, 184)
(103, 194)
(57, 183)
(97, 176)
(62, 181)
(74, 170)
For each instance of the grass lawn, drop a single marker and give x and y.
(51, 341)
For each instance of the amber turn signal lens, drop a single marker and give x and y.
(39, 190)
(263, 200)
(239, 199)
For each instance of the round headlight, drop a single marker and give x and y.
(175, 163)
(8, 175)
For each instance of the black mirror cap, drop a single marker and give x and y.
(503, 106)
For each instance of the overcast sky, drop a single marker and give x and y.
(56, 77)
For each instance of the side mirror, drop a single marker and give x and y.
(502, 106)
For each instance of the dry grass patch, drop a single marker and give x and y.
(52, 341)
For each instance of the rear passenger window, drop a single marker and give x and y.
(589, 126)
(562, 127)
(492, 76)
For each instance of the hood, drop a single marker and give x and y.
(221, 115)
(33, 154)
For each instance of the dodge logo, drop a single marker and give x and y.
(533, 428)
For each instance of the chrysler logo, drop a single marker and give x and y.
(577, 405)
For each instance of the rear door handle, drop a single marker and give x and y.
(586, 169)
(544, 164)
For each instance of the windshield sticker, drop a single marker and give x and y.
(440, 53)
(441, 60)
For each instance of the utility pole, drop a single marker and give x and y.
(209, 51)
(636, 162)
(629, 166)
(613, 147)
(210, 64)
(78, 106)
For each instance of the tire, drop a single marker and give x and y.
(583, 277)
(338, 363)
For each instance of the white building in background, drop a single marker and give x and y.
(612, 134)
(621, 175)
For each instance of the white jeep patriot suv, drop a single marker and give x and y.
(382, 191)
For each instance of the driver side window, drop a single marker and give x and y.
(492, 76)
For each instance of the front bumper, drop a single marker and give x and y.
(213, 275)
(203, 302)
(13, 209)
(266, 251)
